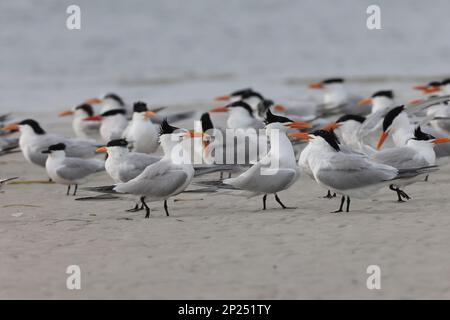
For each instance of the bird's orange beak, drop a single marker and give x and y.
(193, 134)
(432, 89)
(101, 150)
(280, 108)
(441, 140)
(315, 85)
(13, 127)
(219, 109)
(383, 138)
(93, 118)
(222, 98)
(65, 113)
(300, 135)
(420, 88)
(365, 102)
(416, 101)
(94, 101)
(298, 125)
(149, 114)
(331, 126)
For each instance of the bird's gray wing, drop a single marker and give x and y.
(134, 165)
(74, 169)
(418, 107)
(400, 158)
(8, 143)
(80, 148)
(351, 172)
(158, 180)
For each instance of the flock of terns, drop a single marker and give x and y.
(350, 146)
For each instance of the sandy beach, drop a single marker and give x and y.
(181, 55)
(235, 251)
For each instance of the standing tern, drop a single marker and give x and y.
(276, 171)
(162, 179)
(82, 128)
(69, 171)
(240, 116)
(349, 174)
(33, 140)
(336, 99)
(141, 133)
(113, 124)
(418, 152)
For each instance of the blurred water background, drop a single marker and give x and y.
(179, 52)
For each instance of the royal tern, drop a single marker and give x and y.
(349, 174)
(380, 100)
(247, 95)
(162, 179)
(336, 99)
(418, 152)
(83, 128)
(69, 171)
(110, 101)
(141, 133)
(276, 171)
(113, 124)
(240, 116)
(33, 140)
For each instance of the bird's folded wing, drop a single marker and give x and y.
(74, 169)
(353, 172)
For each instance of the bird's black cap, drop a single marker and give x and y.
(390, 116)
(332, 80)
(354, 117)
(329, 137)
(113, 112)
(55, 147)
(140, 106)
(241, 104)
(86, 108)
(272, 118)
(384, 93)
(114, 97)
(117, 143)
(166, 128)
(34, 125)
(206, 122)
(420, 135)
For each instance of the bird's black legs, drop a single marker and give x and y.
(147, 209)
(400, 193)
(342, 205)
(76, 188)
(329, 196)
(348, 203)
(264, 201)
(68, 190)
(136, 208)
(279, 201)
(426, 178)
(165, 208)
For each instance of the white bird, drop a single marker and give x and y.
(240, 116)
(113, 124)
(69, 171)
(275, 172)
(162, 179)
(81, 127)
(247, 95)
(336, 98)
(110, 101)
(141, 133)
(418, 152)
(347, 173)
(33, 140)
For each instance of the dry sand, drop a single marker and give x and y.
(221, 246)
